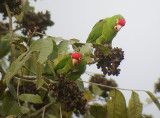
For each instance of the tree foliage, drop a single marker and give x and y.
(29, 86)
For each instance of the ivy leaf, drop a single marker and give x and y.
(116, 105)
(98, 111)
(134, 106)
(31, 98)
(155, 100)
(44, 46)
(16, 66)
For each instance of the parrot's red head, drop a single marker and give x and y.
(76, 58)
(119, 24)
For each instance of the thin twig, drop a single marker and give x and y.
(43, 112)
(41, 34)
(111, 87)
(29, 37)
(33, 115)
(60, 110)
(13, 51)
(26, 80)
(18, 92)
(29, 70)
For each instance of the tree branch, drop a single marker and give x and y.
(33, 115)
(111, 87)
(13, 51)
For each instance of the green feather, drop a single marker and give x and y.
(103, 32)
(71, 72)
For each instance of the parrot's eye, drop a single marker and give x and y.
(80, 58)
(116, 21)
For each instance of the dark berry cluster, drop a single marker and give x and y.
(31, 20)
(157, 86)
(3, 28)
(14, 7)
(68, 93)
(109, 64)
(100, 79)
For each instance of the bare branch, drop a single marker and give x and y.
(33, 115)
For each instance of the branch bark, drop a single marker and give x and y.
(13, 51)
(41, 110)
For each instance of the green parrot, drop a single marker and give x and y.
(72, 65)
(106, 29)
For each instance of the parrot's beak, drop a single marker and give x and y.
(74, 62)
(117, 27)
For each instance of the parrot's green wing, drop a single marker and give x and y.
(62, 62)
(96, 31)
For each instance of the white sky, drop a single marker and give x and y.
(140, 38)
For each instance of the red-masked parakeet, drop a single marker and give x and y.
(106, 29)
(72, 66)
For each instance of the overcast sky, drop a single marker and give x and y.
(139, 39)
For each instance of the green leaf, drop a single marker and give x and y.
(56, 39)
(54, 53)
(40, 80)
(51, 116)
(72, 41)
(134, 106)
(20, 16)
(4, 45)
(155, 100)
(96, 90)
(27, 7)
(86, 49)
(24, 110)
(63, 47)
(44, 46)
(10, 106)
(80, 85)
(12, 90)
(88, 96)
(116, 105)
(62, 50)
(16, 66)
(36, 99)
(98, 111)
(50, 64)
(106, 51)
